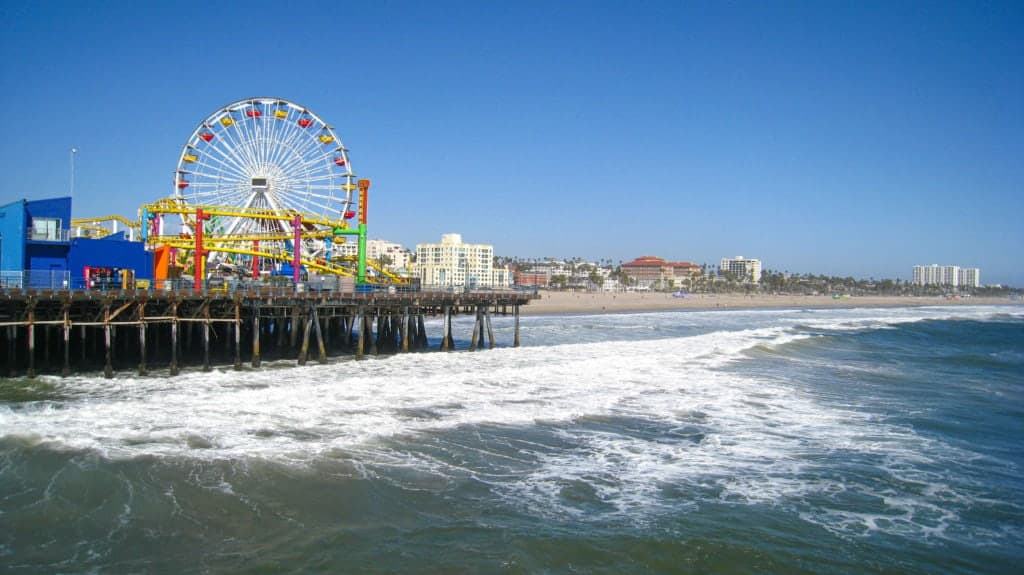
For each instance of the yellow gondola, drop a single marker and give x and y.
(227, 121)
(326, 138)
(190, 157)
(280, 114)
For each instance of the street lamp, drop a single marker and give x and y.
(73, 152)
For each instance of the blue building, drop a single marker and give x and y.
(34, 243)
(111, 253)
(37, 250)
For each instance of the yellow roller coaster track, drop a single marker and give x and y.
(95, 228)
(330, 267)
(222, 242)
(170, 206)
(247, 238)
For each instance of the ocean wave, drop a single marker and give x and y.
(621, 428)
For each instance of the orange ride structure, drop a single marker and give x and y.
(262, 182)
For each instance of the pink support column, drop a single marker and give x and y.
(255, 260)
(200, 255)
(296, 261)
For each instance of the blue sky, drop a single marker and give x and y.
(847, 138)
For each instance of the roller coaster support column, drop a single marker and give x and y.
(200, 255)
(364, 188)
(255, 260)
(297, 257)
(144, 225)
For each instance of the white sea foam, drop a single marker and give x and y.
(705, 427)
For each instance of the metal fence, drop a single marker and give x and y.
(36, 279)
(49, 235)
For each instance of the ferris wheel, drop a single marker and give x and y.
(265, 155)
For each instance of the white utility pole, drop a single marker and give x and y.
(73, 152)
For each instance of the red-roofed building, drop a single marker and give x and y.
(654, 272)
(531, 278)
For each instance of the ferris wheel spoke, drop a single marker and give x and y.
(292, 150)
(235, 141)
(247, 129)
(319, 176)
(305, 163)
(284, 131)
(217, 195)
(226, 169)
(233, 197)
(291, 139)
(225, 149)
(263, 132)
(240, 223)
(324, 207)
(312, 154)
(241, 131)
(215, 176)
(308, 147)
(249, 143)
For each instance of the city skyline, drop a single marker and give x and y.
(824, 137)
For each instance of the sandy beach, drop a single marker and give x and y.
(601, 302)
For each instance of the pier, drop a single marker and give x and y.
(119, 331)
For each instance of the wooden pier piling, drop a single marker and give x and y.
(147, 331)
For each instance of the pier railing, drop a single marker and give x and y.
(63, 281)
(36, 279)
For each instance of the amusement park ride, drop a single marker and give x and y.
(260, 183)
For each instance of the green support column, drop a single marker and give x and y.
(361, 273)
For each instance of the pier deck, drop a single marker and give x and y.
(62, 332)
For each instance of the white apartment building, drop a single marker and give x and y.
(398, 255)
(743, 268)
(953, 276)
(927, 275)
(453, 263)
(970, 277)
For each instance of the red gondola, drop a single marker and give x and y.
(305, 122)
(253, 113)
(182, 184)
(339, 161)
(349, 215)
(206, 136)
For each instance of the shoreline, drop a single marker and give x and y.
(557, 302)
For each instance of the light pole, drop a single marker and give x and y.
(73, 152)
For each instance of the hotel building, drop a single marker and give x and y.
(654, 272)
(954, 276)
(453, 263)
(745, 269)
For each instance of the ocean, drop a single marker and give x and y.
(750, 441)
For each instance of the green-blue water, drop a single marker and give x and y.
(766, 441)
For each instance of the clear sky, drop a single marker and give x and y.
(847, 138)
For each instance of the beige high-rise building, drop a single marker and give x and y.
(746, 269)
(453, 263)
